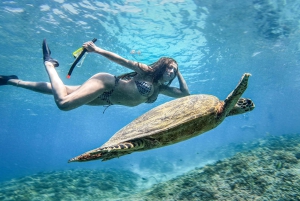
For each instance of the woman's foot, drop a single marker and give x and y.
(4, 79)
(47, 54)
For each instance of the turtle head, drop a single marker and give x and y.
(243, 105)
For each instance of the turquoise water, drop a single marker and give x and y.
(213, 41)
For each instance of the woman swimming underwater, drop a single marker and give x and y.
(131, 89)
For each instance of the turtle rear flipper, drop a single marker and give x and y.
(107, 153)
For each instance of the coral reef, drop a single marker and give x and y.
(267, 169)
(71, 185)
(271, 171)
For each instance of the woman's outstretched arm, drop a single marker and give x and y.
(135, 66)
(182, 91)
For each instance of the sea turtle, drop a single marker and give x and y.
(172, 122)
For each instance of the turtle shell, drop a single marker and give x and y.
(169, 116)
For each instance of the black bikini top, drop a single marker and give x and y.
(143, 87)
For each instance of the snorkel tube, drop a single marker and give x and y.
(78, 59)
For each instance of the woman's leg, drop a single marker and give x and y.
(40, 87)
(86, 93)
(72, 96)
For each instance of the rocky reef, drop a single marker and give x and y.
(71, 185)
(270, 171)
(267, 169)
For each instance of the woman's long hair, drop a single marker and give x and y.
(160, 66)
(157, 70)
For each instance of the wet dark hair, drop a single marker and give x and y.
(157, 70)
(159, 67)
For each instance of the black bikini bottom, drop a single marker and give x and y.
(106, 95)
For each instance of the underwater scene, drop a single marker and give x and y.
(254, 155)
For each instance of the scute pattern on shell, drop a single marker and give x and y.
(165, 117)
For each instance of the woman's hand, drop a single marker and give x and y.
(89, 46)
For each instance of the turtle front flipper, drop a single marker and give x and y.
(234, 96)
(110, 152)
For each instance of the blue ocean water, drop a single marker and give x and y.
(213, 41)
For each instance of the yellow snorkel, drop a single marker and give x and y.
(78, 55)
(77, 52)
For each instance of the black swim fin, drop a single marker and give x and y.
(47, 54)
(4, 79)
